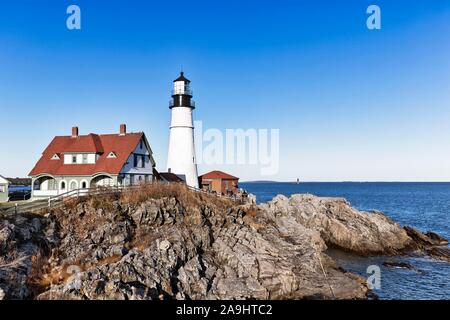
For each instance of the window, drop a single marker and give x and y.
(111, 155)
(83, 185)
(2, 189)
(141, 145)
(55, 157)
(52, 184)
(85, 158)
(74, 158)
(139, 161)
(63, 185)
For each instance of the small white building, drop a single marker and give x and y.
(93, 160)
(4, 189)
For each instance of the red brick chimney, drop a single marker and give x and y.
(74, 132)
(123, 129)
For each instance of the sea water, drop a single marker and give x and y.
(425, 206)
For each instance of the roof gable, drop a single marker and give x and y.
(111, 155)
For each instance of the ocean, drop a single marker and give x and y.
(425, 206)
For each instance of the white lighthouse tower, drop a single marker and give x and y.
(181, 158)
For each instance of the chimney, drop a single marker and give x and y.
(74, 132)
(123, 130)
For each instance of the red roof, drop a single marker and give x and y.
(89, 143)
(101, 144)
(170, 177)
(218, 175)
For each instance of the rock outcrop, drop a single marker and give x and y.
(431, 243)
(190, 246)
(22, 240)
(340, 225)
(364, 233)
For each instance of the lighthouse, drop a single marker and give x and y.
(181, 157)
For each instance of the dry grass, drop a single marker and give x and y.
(144, 238)
(43, 275)
(158, 190)
(251, 211)
(104, 261)
(103, 200)
(249, 219)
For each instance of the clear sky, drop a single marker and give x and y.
(350, 103)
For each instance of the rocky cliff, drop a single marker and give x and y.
(166, 242)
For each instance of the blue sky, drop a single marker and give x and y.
(350, 103)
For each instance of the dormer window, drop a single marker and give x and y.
(111, 155)
(80, 158)
(55, 157)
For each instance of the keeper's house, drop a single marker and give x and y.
(88, 161)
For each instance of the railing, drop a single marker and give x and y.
(191, 104)
(185, 91)
(55, 201)
(76, 193)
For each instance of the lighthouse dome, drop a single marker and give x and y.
(182, 78)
